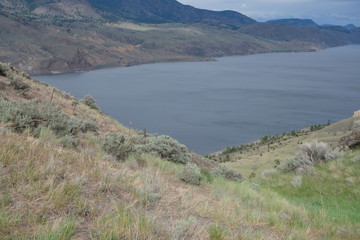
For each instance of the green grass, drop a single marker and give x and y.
(331, 191)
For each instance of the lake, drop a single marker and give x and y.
(235, 100)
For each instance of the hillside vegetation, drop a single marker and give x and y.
(96, 179)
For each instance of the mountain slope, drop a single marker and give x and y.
(146, 11)
(294, 22)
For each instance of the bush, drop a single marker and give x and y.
(191, 174)
(290, 164)
(69, 141)
(227, 173)
(32, 114)
(334, 154)
(166, 148)
(182, 228)
(18, 84)
(5, 69)
(90, 101)
(312, 153)
(116, 145)
(356, 124)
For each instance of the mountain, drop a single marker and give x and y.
(57, 36)
(68, 171)
(350, 26)
(294, 22)
(145, 11)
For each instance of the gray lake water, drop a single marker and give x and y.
(234, 100)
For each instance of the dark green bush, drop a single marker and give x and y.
(166, 148)
(117, 146)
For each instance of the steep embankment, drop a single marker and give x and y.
(67, 171)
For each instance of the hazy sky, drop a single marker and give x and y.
(338, 12)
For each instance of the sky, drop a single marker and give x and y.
(337, 12)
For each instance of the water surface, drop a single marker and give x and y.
(211, 105)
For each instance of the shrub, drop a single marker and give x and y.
(150, 192)
(69, 141)
(33, 114)
(227, 173)
(5, 69)
(269, 172)
(166, 148)
(334, 154)
(290, 164)
(90, 101)
(355, 159)
(116, 145)
(356, 124)
(191, 174)
(18, 84)
(182, 228)
(312, 153)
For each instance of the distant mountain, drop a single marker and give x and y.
(56, 36)
(145, 11)
(294, 22)
(350, 26)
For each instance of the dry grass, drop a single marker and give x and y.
(261, 159)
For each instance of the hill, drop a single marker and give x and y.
(67, 171)
(294, 22)
(57, 36)
(144, 11)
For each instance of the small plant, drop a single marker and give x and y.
(116, 145)
(166, 148)
(90, 101)
(182, 229)
(227, 173)
(296, 182)
(69, 141)
(216, 232)
(268, 173)
(252, 175)
(191, 174)
(150, 192)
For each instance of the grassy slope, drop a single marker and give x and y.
(262, 157)
(51, 192)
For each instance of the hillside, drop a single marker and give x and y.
(261, 155)
(144, 11)
(42, 37)
(67, 171)
(295, 22)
